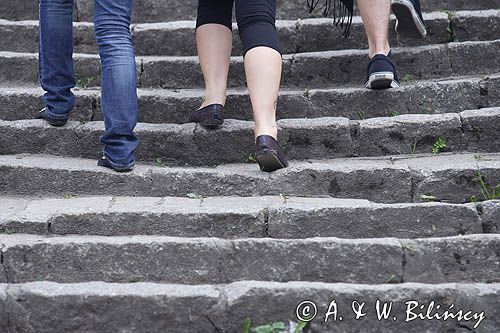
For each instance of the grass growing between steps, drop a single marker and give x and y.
(277, 327)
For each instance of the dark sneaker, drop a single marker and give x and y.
(381, 73)
(410, 21)
(104, 162)
(52, 121)
(211, 116)
(269, 154)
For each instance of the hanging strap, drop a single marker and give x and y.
(343, 11)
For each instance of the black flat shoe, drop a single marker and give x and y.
(54, 122)
(104, 162)
(211, 116)
(269, 154)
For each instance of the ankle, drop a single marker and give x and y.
(271, 130)
(384, 50)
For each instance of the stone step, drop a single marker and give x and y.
(310, 70)
(446, 177)
(169, 10)
(150, 307)
(68, 259)
(296, 36)
(301, 139)
(253, 217)
(416, 97)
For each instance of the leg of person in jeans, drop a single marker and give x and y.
(381, 73)
(119, 92)
(56, 60)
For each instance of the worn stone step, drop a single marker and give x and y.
(146, 307)
(233, 217)
(309, 70)
(169, 10)
(295, 35)
(318, 138)
(417, 97)
(445, 177)
(68, 259)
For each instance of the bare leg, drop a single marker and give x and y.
(263, 72)
(375, 15)
(214, 43)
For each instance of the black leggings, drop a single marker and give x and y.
(256, 20)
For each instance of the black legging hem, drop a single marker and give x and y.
(256, 21)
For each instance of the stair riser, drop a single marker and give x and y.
(294, 36)
(202, 261)
(213, 261)
(421, 98)
(389, 182)
(49, 307)
(473, 131)
(158, 11)
(310, 70)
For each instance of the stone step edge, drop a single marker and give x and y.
(217, 308)
(408, 260)
(270, 216)
(394, 179)
(474, 92)
(417, 133)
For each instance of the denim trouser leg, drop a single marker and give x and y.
(119, 93)
(56, 56)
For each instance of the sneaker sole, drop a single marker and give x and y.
(409, 23)
(381, 80)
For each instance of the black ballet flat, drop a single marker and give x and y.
(269, 154)
(211, 116)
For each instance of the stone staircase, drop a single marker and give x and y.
(197, 239)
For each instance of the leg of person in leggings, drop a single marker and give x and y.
(256, 22)
(262, 54)
(214, 40)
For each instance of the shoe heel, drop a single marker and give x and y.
(269, 162)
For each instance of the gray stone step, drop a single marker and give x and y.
(301, 139)
(417, 97)
(169, 10)
(233, 217)
(146, 307)
(310, 70)
(449, 178)
(296, 36)
(68, 259)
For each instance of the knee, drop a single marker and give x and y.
(218, 12)
(112, 32)
(256, 25)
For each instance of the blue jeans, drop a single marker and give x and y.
(119, 92)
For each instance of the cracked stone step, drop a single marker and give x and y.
(78, 258)
(301, 139)
(233, 217)
(296, 36)
(22, 36)
(161, 10)
(197, 260)
(310, 70)
(50, 307)
(417, 97)
(446, 177)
